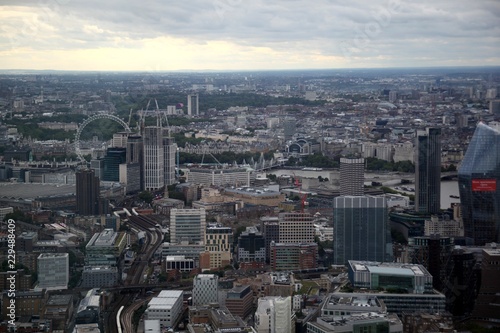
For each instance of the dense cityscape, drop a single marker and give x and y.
(349, 200)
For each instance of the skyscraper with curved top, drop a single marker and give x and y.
(478, 177)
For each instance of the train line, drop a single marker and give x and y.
(154, 239)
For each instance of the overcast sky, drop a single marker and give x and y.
(165, 35)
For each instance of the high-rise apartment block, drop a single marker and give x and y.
(153, 158)
(352, 176)
(169, 153)
(289, 127)
(187, 225)
(193, 105)
(478, 179)
(428, 171)
(360, 229)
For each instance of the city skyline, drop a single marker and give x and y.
(234, 35)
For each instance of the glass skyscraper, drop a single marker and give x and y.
(360, 229)
(428, 171)
(477, 178)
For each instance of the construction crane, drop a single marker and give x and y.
(303, 198)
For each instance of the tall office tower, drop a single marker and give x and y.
(352, 176)
(169, 153)
(87, 193)
(135, 175)
(53, 270)
(289, 128)
(205, 289)
(296, 228)
(193, 105)
(153, 158)
(428, 171)
(478, 179)
(274, 314)
(114, 157)
(187, 225)
(361, 229)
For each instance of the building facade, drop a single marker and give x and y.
(352, 176)
(293, 256)
(153, 158)
(205, 289)
(296, 228)
(478, 179)
(251, 246)
(169, 153)
(360, 229)
(274, 314)
(193, 107)
(53, 270)
(87, 193)
(428, 171)
(167, 307)
(187, 225)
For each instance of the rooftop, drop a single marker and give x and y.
(30, 191)
(395, 269)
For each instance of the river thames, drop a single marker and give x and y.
(390, 179)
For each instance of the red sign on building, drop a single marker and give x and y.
(484, 185)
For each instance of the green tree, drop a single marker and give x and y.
(146, 196)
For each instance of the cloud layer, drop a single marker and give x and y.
(236, 34)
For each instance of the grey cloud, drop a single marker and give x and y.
(403, 30)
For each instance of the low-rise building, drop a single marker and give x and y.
(363, 322)
(239, 301)
(205, 289)
(99, 276)
(167, 307)
(409, 278)
(293, 256)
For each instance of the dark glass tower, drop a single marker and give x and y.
(477, 178)
(428, 171)
(114, 157)
(87, 193)
(361, 230)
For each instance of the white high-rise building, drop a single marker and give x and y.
(153, 158)
(205, 289)
(187, 225)
(193, 105)
(169, 152)
(53, 270)
(274, 315)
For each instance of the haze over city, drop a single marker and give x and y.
(236, 35)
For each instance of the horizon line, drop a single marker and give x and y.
(2, 70)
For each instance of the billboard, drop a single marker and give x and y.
(484, 185)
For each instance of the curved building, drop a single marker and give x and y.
(478, 177)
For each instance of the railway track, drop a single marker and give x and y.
(154, 239)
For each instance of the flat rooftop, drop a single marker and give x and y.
(386, 268)
(31, 191)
